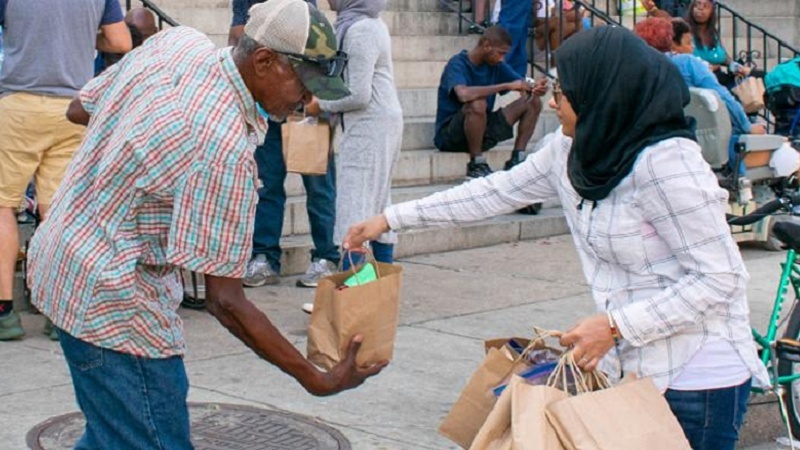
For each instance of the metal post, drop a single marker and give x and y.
(460, 17)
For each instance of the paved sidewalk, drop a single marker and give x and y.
(450, 303)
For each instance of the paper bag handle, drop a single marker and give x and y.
(584, 382)
(368, 252)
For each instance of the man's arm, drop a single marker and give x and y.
(226, 301)
(466, 94)
(114, 38)
(76, 113)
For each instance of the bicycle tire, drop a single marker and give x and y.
(791, 395)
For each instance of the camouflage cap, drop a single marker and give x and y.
(300, 31)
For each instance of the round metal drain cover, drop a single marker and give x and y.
(215, 426)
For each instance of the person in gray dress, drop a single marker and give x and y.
(371, 119)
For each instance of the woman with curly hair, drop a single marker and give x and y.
(659, 34)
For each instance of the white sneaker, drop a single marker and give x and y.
(320, 268)
(259, 273)
(308, 308)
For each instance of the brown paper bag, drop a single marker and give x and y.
(631, 416)
(476, 401)
(750, 91)
(495, 433)
(306, 146)
(518, 420)
(530, 429)
(370, 310)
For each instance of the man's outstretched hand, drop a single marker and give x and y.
(346, 375)
(369, 230)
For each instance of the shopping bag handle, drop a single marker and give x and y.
(584, 382)
(367, 252)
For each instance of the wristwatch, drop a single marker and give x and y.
(613, 326)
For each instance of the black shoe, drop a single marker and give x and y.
(531, 210)
(478, 170)
(516, 158)
(475, 29)
(189, 302)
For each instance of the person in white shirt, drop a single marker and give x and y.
(648, 220)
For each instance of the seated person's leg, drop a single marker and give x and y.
(475, 119)
(466, 132)
(524, 111)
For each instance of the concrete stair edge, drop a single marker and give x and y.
(503, 229)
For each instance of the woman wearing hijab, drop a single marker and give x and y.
(648, 220)
(372, 120)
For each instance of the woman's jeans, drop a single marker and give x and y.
(711, 419)
(383, 253)
(129, 402)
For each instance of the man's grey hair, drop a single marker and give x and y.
(246, 47)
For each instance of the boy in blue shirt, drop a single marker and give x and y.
(465, 116)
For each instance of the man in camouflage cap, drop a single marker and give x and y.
(165, 180)
(264, 266)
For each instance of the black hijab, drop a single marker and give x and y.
(627, 96)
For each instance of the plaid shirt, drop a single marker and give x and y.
(656, 252)
(164, 179)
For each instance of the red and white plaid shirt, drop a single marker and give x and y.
(164, 179)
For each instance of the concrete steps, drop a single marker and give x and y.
(424, 38)
(503, 229)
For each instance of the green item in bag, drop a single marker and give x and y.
(363, 276)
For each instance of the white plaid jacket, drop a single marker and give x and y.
(656, 252)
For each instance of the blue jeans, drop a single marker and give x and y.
(383, 253)
(711, 419)
(320, 203)
(129, 402)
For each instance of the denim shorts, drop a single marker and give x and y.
(129, 402)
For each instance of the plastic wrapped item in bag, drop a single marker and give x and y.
(541, 362)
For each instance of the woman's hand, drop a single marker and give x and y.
(312, 107)
(590, 339)
(758, 128)
(368, 230)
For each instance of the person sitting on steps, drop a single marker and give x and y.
(465, 118)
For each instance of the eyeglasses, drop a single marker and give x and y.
(332, 67)
(557, 93)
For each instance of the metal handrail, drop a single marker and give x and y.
(163, 18)
(747, 55)
(602, 9)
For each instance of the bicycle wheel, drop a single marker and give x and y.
(791, 395)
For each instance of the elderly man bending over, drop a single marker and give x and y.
(166, 180)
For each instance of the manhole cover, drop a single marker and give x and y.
(215, 426)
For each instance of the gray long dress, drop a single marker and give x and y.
(373, 128)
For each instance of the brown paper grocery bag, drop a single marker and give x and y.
(631, 416)
(495, 433)
(306, 145)
(530, 429)
(750, 91)
(370, 310)
(477, 399)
